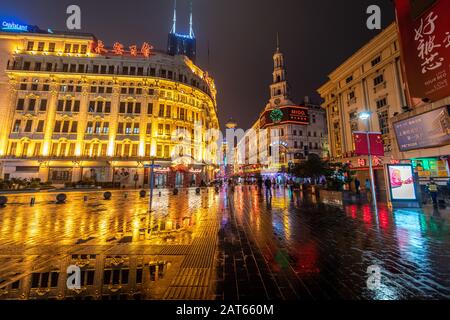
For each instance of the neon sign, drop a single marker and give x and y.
(12, 26)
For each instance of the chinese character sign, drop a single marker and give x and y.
(425, 38)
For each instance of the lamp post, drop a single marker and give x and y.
(365, 116)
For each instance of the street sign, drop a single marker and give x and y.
(152, 166)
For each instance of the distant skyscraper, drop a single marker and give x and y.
(182, 44)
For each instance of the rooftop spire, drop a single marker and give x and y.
(191, 29)
(174, 27)
(278, 42)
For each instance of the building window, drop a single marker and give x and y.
(378, 80)
(20, 104)
(51, 47)
(28, 125)
(376, 61)
(136, 128)
(150, 108)
(381, 103)
(43, 105)
(16, 127)
(106, 128)
(120, 128)
(128, 128)
(89, 127)
(74, 127)
(384, 122)
(41, 46)
(30, 46)
(349, 79)
(40, 126)
(57, 128)
(149, 129)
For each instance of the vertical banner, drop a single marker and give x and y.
(424, 27)
(376, 144)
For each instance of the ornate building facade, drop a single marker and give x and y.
(73, 110)
(370, 80)
(285, 133)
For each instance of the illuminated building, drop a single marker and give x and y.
(73, 110)
(284, 134)
(182, 44)
(370, 80)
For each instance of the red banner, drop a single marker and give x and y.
(362, 148)
(424, 27)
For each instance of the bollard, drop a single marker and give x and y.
(33, 201)
(61, 198)
(125, 195)
(160, 194)
(197, 191)
(107, 195)
(85, 198)
(175, 191)
(3, 201)
(142, 193)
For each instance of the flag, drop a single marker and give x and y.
(376, 144)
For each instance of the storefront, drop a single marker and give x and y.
(437, 168)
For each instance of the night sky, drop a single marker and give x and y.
(316, 36)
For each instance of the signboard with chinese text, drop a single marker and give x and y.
(424, 28)
(431, 129)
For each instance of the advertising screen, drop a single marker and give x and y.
(431, 129)
(401, 182)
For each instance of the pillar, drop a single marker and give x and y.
(43, 173)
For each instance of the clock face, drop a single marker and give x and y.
(276, 115)
(277, 101)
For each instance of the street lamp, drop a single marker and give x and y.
(365, 116)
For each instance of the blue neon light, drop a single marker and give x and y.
(12, 26)
(185, 36)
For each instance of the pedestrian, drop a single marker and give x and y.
(433, 190)
(291, 185)
(260, 184)
(268, 185)
(357, 186)
(368, 187)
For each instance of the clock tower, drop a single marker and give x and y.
(279, 89)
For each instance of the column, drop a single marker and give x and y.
(115, 101)
(7, 112)
(51, 116)
(82, 119)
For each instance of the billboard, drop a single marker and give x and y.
(424, 29)
(282, 115)
(401, 182)
(430, 129)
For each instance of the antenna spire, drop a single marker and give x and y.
(174, 27)
(191, 29)
(278, 41)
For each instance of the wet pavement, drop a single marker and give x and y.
(219, 246)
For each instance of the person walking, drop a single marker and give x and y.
(260, 184)
(268, 185)
(357, 186)
(368, 190)
(433, 190)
